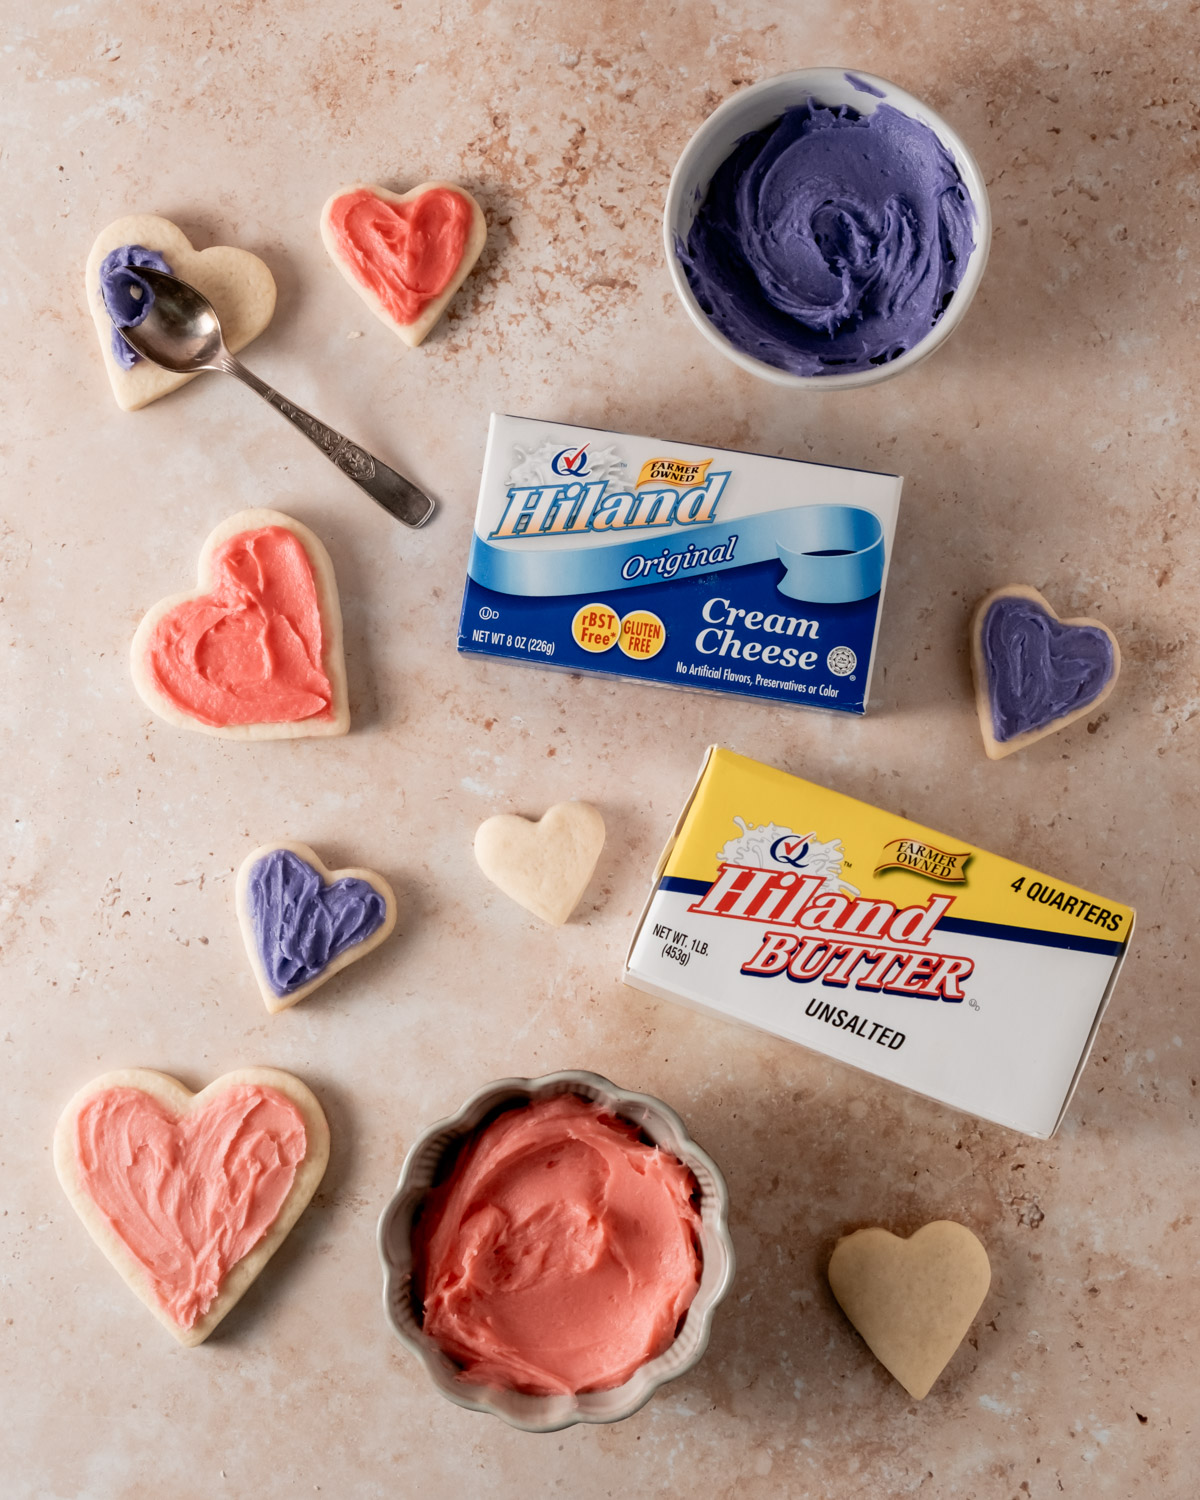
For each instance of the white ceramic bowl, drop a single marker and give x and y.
(419, 1174)
(757, 106)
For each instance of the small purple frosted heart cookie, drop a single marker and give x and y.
(302, 923)
(1035, 673)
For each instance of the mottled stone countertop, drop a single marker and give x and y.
(1053, 440)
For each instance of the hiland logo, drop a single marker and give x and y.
(771, 844)
(570, 462)
(584, 504)
(817, 927)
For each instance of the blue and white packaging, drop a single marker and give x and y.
(662, 562)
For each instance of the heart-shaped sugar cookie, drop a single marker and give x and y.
(189, 1195)
(912, 1300)
(405, 254)
(1035, 673)
(544, 866)
(238, 285)
(302, 922)
(256, 651)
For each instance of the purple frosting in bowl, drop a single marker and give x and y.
(301, 924)
(831, 240)
(127, 296)
(1039, 668)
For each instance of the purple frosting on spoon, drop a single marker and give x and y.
(1039, 668)
(126, 295)
(301, 924)
(831, 240)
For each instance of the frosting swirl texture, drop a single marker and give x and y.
(251, 650)
(831, 240)
(126, 295)
(189, 1196)
(300, 923)
(405, 253)
(1039, 668)
(560, 1254)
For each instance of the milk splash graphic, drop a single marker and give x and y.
(535, 465)
(757, 845)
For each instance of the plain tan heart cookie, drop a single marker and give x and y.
(1066, 666)
(190, 1195)
(544, 866)
(297, 897)
(238, 285)
(262, 634)
(912, 1300)
(402, 256)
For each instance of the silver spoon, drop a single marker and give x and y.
(182, 333)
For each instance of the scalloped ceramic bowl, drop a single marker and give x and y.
(759, 105)
(421, 1172)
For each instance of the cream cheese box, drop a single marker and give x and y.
(678, 565)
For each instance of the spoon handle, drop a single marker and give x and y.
(398, 496)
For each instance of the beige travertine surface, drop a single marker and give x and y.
(1053, 441)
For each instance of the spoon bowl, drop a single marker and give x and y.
(180, 331)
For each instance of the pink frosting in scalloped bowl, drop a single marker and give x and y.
(561, 1253)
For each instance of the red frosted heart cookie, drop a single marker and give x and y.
(256, 651)
(189, 1195)
(405, 254)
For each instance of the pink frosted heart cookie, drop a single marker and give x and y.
(405, 254)
(1035, 673)
(238, 284)
(189, 1195)
(255, 652)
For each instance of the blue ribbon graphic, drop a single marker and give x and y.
(833, 554)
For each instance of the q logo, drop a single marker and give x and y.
(570, 463)
(790, 850)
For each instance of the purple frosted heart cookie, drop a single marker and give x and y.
(302, 922)
(1034, 673)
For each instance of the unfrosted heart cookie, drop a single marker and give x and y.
(405, 254)
(302, 923)
(1035, 673)
(189, 1195)
(255, 652)
(912, 1300)
(238, 285)
(544, 866)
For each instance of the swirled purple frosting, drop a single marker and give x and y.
(831, 240)
(1039, 668)
(301, 924)
(126, 295)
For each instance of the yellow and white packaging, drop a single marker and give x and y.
(914, 956)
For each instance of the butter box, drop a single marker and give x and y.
(657, 561)
(914, 956)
